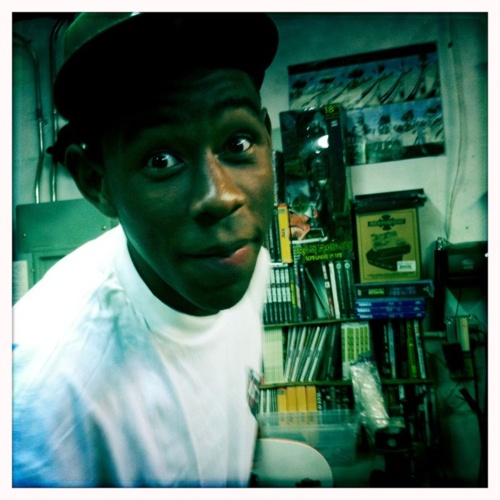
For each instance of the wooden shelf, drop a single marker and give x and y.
(339, 383)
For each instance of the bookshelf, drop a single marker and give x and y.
(407, 397)
(320, 320)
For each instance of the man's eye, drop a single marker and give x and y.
(162, 161)
(240, 144)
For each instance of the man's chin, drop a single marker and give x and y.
(219, 300)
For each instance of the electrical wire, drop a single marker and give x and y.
(461, 110)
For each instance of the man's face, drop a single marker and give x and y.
(190, 177)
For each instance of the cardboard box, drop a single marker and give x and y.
(389, 245)
(315, 177)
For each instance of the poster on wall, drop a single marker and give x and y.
(392, 100)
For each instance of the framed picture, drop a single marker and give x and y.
(392, 100)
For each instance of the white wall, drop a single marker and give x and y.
(455, 183)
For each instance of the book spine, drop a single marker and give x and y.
(311, 398)
(301, 403)
(270, 242)
(390, 315)
(319, 400)
(298, 289)
(306, 299)
(272, 355)
(312, 404)
(419, 343)
(291, 399)
(294, 306)
(412, 350)
(330, 353)
(421, 288)
(392, 348)
(281, 400)
(342, 288)
(350, 290)
(274, 298)
(287, 292)
(417, 303)
(386, 364)
(365, 338)
(287, 353)
(388, 309)
(284, 234)
(279, 295)
(349, 348)
(328, 288)
(334, 289)
(275, 235)
(266, 317)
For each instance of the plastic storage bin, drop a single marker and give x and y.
(334, 433)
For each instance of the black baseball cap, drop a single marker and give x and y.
(111, 55)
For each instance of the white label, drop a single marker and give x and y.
(407, 266)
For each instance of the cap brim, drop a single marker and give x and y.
(103, 52)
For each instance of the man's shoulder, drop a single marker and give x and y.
(67, 288)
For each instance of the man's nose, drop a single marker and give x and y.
(215, 194)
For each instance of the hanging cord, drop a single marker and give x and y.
(38, 113)
(461, 108)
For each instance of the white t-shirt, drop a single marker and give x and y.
(114, 388)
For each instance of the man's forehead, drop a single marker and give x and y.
(211, 95)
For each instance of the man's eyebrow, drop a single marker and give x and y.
(236, 103)
(174, 116)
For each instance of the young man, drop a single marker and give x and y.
(137, 356)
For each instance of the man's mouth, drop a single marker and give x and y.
(223, 257)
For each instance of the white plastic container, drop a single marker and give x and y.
(334, 433)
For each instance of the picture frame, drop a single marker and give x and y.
(392, 100)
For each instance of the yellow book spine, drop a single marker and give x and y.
(284, 232)
(291, 399)
(301, 403)
(281, 399)
(291, 404)
(311, 398)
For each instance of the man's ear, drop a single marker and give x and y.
(90, 177)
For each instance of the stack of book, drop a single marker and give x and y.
(401, 300)
(400, 349)
(296, 356)
(309, 353)
(355, 341)
(389, 308)
(303, 399)
(309, 290)
(306, 398)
